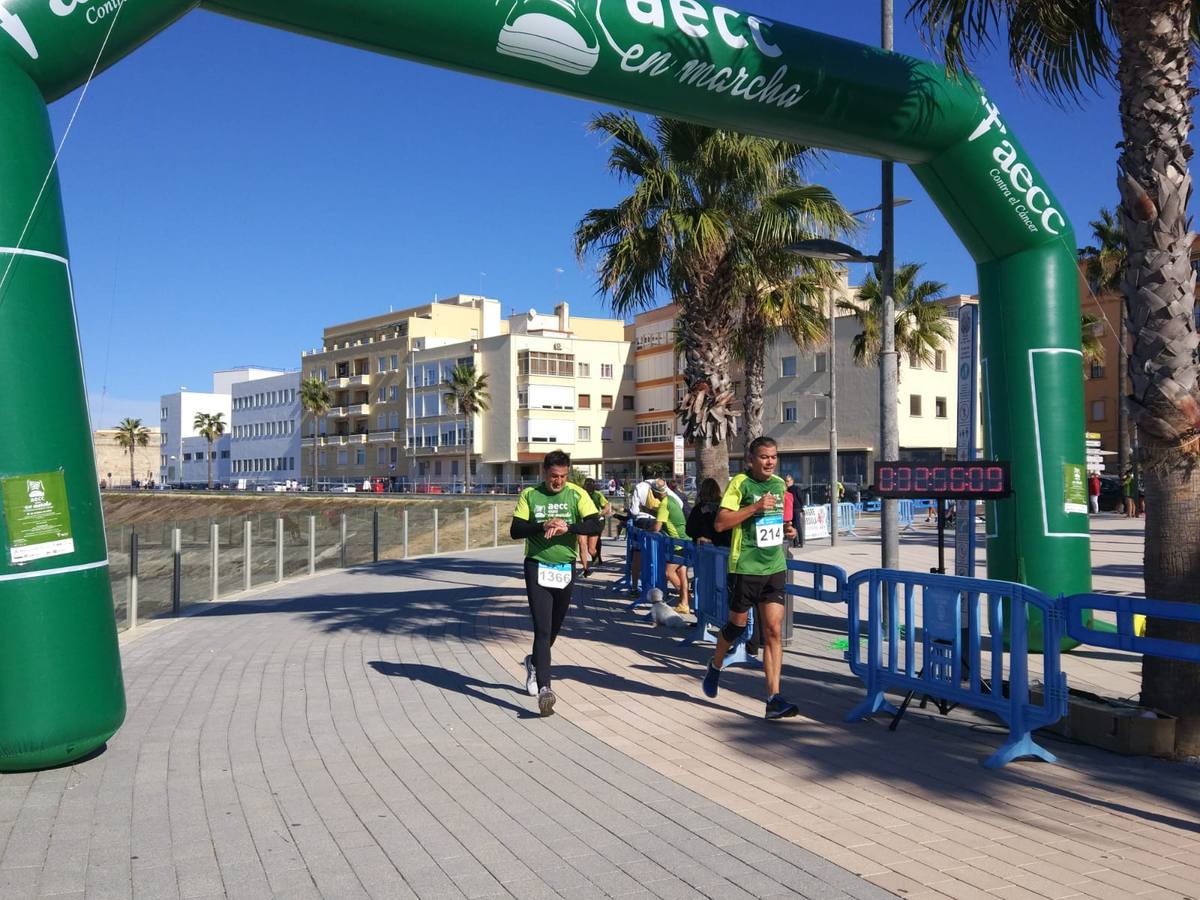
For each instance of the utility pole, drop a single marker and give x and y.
(889, 388)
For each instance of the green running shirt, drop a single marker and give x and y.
(537, 504)
(670, 515)
(757, 545)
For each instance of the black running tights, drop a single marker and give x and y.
(548, 607)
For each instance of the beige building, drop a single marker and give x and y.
(796, 401)
(554, 382)
(112, 462)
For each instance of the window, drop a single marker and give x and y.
(165, 413)
(659, 432)
(914, 404)
(939, 407)
(585, 433)
(606, 434)
(627, 401)
(914, 360)
(585, 401)
(360, 456)
(820, 408)
(395, 361)
(342, 456)
(627, 435)
(1097, 370)
(381, 456)
(630, 372)
(789, 367)
(1098, 410)
(522, 398)
(394, 393)
(606, 370)
(224, 454)
(789, 412)
(382, 363)
(530, 362)
(606, 401)
(382, 395)
(585, 370)
(187, 457)
(939, 360)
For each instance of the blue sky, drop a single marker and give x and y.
(230, 190)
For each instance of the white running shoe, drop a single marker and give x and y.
(546, 700)
(530, 677)
(551, 32)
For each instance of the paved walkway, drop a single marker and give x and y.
(364, 734)
(350, 736)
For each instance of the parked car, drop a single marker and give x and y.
(1111, 495)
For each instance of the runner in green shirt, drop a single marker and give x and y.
(549, 516)
(752, 509)
(589, 544)
(670, 519)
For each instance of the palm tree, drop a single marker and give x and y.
(684, 228)
(780, 292)
(1104, 266)
(316, 400)
(1064, 49)
(921, 326)
(468, 393)
(1091, 327)
(131, 434)
(209, 426)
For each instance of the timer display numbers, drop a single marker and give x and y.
(960, 480)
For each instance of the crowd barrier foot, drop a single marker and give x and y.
(738, 656)
(873, 704)
(699, 634)
(1018, 748)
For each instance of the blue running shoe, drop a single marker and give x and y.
(711, 677)
(778, 708)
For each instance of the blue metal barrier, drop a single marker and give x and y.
(820, 573)
(904, 514)
(625, 582)
(712, 603)
(847, 517)
(873, 506)
(950, 665)
(1126, 637)
(653, 574)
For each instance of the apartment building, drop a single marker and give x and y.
(573, 384)
(554, 381)
(796, 398)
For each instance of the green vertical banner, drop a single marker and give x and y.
(61, 692)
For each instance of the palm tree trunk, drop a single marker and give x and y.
(1153, 72)
(466, 458)
(707, 410)
(754, 347)
(130, 468)
(210, 456)
(1123, 451)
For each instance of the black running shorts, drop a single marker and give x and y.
(747, 590)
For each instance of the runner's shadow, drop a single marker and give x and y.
(611, 681)
(449, 680)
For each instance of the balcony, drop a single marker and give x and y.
(380, 437)
(354, 409)
(341, 384)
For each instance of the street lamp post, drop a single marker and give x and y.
(889, 374)
(833, 444)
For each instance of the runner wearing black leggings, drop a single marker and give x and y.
(549, 517)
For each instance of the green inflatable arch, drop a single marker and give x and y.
(61, 692)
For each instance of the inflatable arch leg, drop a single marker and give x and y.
(61, 692)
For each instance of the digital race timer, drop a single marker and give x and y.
(981, 479)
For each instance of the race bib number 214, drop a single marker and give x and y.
(768, 531)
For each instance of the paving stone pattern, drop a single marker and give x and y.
(351, 736)
(912, 811)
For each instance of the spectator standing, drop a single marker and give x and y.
(1094, 492)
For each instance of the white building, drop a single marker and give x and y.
(195, 461)
(178, 413)
(265, 429)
